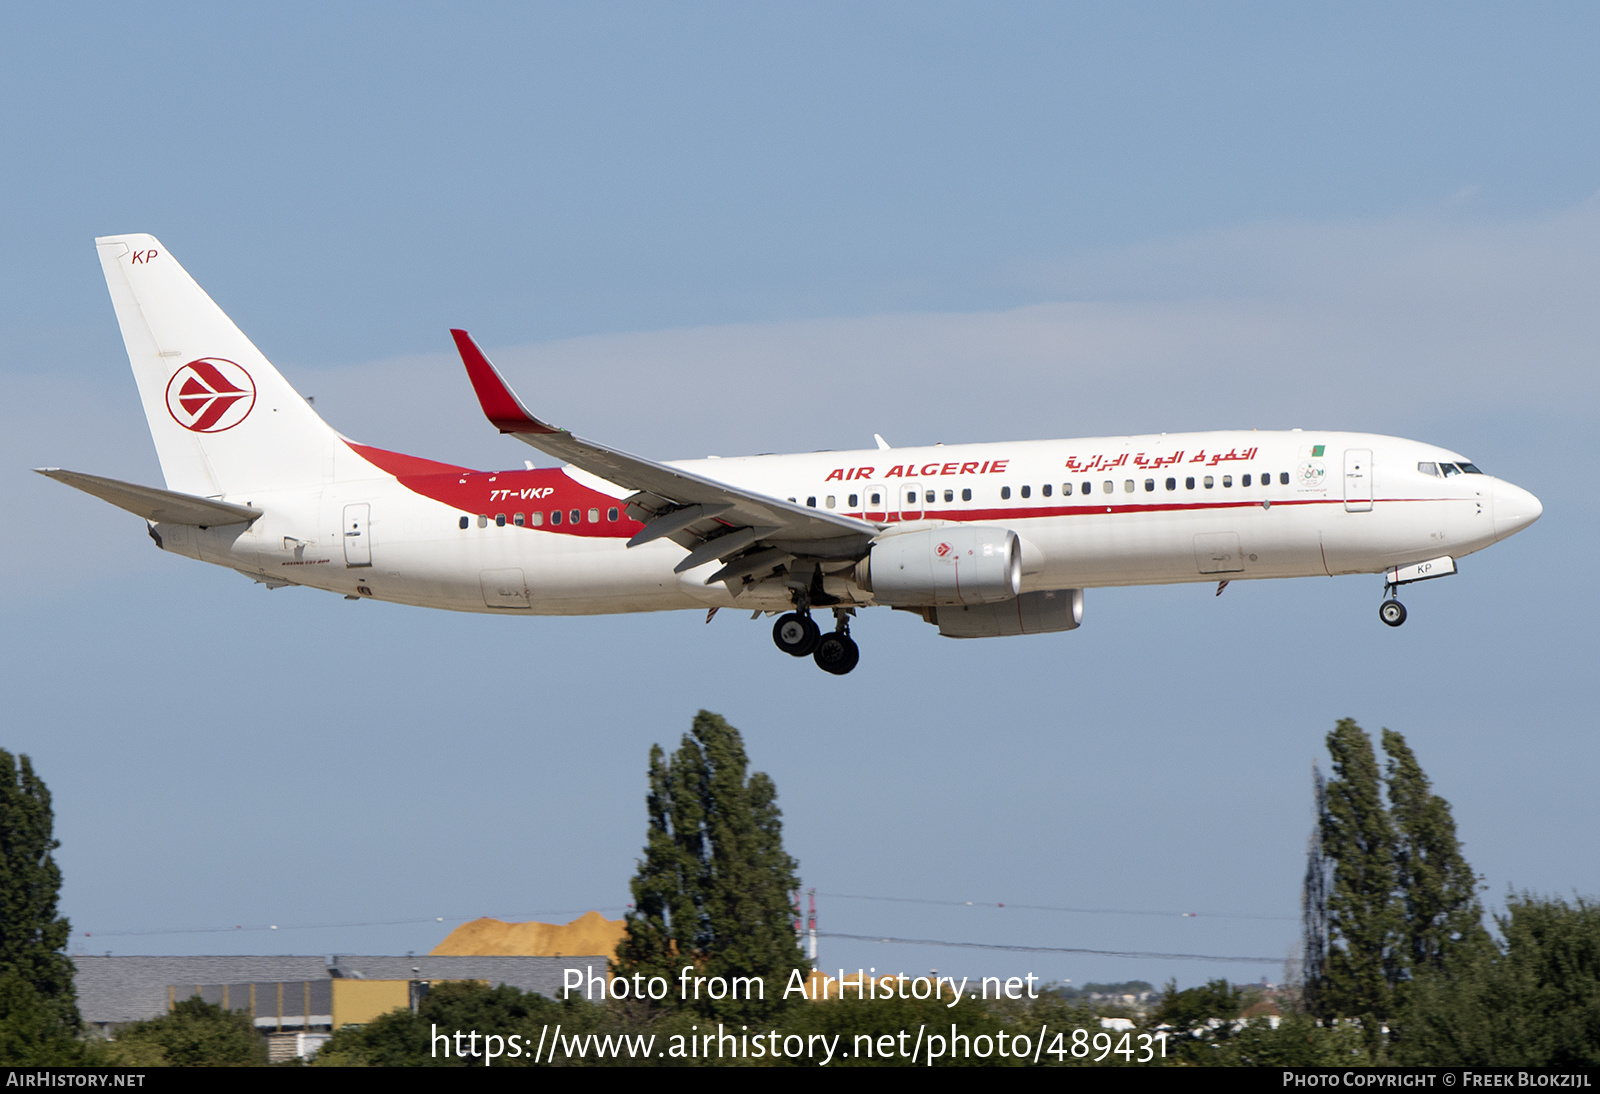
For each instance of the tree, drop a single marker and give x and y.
(1388, 894)
(1363, 917)
(1533, 1001)
(193, 1034)
(39, 992)
(1438, 890)
(713, 888)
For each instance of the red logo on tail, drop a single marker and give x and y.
(210, 395)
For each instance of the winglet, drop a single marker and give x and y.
(500, 404)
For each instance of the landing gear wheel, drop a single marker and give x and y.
(1392, 612)
(837, 653)
(796, 634)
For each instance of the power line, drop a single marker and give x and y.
(1052, 949)
(332, 926)
(1054, 908)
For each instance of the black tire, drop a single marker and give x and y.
(796, 634)
(837, 653)
(1392, 612)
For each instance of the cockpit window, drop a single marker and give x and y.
(1429, 468)
(1470, 469)
(1449, 469)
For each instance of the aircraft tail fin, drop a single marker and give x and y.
(222, 418)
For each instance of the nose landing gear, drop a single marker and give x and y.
(1392, 612)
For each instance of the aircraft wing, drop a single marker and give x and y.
(751, 532)
(155, 505)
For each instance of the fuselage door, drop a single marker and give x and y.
(1358, 480)
(357, 535)
(910, 501)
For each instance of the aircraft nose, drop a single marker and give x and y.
(1514, 509)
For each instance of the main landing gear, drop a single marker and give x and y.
(798, 635)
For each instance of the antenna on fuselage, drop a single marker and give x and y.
(883, 444)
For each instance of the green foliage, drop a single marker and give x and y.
(713, 888)
(1438, 891)
(31, 1031)
(193, 1034)
(1534, 1001)
(1388, 894)
(38, 1009)
(1364, 917)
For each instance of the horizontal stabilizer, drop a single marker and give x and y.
(159, 506)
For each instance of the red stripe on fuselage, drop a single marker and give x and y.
(543, 490)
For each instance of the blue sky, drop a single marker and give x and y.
(730, 228)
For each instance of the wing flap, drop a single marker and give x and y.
(159, 506)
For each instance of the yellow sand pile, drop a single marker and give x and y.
(590, 934)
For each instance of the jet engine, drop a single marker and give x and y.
(1031, 613)
(949, 565)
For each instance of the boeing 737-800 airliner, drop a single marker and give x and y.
(980, 540)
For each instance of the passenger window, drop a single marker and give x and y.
(877, 499)
(811, 502)
(791, 499)
(1149, 485)
(949, 495)
(1245, 481)
(1283, 478)
(911, 499)
(483, 520)
(1188, 483)
(1005, 492)
(572, 516)
(536, 518)
(966, 493)
(1127, 486)
(1210, 482)
(555, 516)
(929, 497)
(594, 516)
(1227, 480)
(1108, 486)
(1172, 484)
(611, 514)
(464, 522)
(499, 520)
(1045, 490)
(519, 520)
(854, 500)
(1027, 491)
(1066, 490)
(828, 501)
(1088, 487)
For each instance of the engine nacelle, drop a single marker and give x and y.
(1030, 613)
(950, 565)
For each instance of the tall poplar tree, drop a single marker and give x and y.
(1438, 890)
(1388, 894)
(713, 887)
(1364, 917)
(32, 935)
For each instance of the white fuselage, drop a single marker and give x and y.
(1092, 512)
